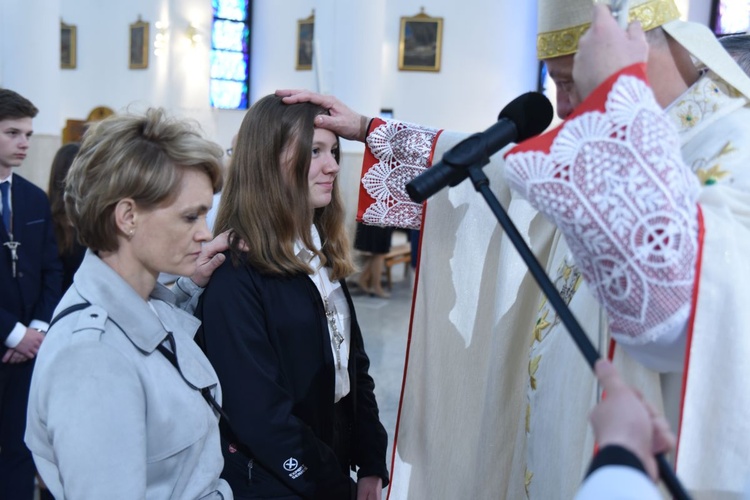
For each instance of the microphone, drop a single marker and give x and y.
(526, 116)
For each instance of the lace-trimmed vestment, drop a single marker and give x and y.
(496, 396)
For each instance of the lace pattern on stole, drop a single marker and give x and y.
(615, 184)
(403, 151)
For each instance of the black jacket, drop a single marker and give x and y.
(267, 337)
(35, 291)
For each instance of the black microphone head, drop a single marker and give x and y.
(531, 112)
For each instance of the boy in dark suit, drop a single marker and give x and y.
(30, 282)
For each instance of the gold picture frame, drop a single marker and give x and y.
(305, 35)
(420, 43)
(68, 46)
(138, 45)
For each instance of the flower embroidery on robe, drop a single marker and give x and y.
(709, 176)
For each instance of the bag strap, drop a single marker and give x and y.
(224, 425)
(66, 311)
(205, 391)
(172, 358)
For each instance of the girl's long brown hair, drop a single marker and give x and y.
(266, 200)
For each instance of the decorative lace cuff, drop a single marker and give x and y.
(396, 153)
(611, 178)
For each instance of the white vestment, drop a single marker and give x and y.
(496, 395)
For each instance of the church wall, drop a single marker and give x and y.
(488, 59)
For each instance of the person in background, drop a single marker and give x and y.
(211, 217)
(71, 252)
(30, 282)
(375, 243)
(279, 325)
(123, 403)
(629, 433)
(738, 47)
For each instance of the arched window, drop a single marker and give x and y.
(230, 54)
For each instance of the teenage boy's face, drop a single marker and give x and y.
(15, 134)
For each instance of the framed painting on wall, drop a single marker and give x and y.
(68, 48)
(305, 33)
(420, 43)
(139, 45)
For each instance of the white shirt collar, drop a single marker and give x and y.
(304, 253)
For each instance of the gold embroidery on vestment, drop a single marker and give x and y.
(541, 325)
(528, 417)
(533, 367)
(564, 42)
(527, 481)
(711, 176)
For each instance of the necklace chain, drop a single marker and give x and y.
(338, 339)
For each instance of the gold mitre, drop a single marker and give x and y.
(562, 22)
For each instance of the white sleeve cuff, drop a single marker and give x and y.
(618, 482)
(664, 354)
(16, 335)
(40, 325)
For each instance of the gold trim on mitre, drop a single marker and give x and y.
(563, 42)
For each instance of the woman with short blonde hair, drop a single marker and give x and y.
(123, 404)
(143, 158)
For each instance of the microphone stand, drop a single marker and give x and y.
(482, 185)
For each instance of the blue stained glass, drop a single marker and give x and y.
(228, 65)
(230, 9)
(228, 95)
(229, 35)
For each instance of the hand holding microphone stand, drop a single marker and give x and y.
(526, 116)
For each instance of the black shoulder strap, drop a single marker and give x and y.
(226, 429)
(66, 311)
(230, 435)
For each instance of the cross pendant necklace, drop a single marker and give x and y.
(8, 218)
(13, 247)
(337, 338)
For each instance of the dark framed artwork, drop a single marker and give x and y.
(68, 46)
(305, 34)
(386, 113)
(420, 43)
(139, 45)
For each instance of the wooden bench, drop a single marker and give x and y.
(399, 254)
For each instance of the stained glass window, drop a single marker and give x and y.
(230, 54)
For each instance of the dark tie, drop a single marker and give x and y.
(5, 189)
